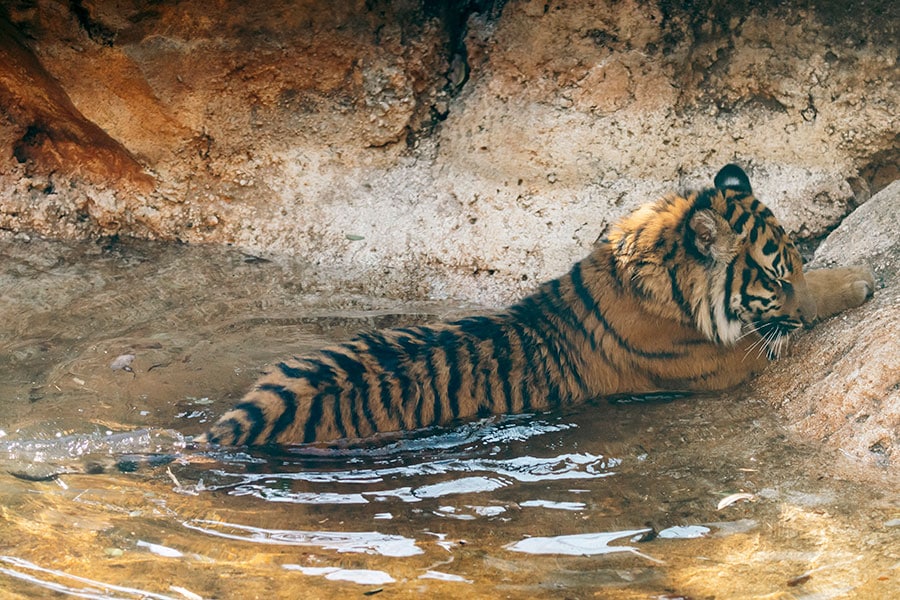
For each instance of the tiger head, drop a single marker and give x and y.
(719, 259)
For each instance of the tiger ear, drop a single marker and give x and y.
(732, 177)
(702, 231)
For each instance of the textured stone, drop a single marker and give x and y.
(841, 384)
(475, 148)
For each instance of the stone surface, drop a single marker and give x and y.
(432, 149)
(841, 384)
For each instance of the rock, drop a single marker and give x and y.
(841, 384)
(477, 147)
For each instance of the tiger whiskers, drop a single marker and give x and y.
(756, 343)
(767, 333)
(780, 342)
(772, 344)
(751, 330)
(767, 340)
(772, 339)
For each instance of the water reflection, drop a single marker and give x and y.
(466, 460)
(360, 576)
(369, 542)
(44, 578)
(107, 352)
(49, 450)
(583, 544)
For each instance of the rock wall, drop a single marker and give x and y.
(465, 148)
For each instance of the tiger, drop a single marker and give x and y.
(694, 292)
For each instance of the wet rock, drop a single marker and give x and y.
(841, 384)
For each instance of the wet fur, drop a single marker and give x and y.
(690, 293)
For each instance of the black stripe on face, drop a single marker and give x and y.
(741, 221)
(289, 408)
(747, 298)
(590, 305)
(767, 215)
(257, 420)
(754, 235)
(729, 282)
(770, 247)
(729, 211)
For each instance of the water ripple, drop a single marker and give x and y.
(481, 475)
(22, 570)
(366, 542)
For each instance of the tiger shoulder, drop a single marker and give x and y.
(692, 292)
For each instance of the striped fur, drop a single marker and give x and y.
(692, 292)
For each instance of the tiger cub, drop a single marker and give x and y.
(689, 293)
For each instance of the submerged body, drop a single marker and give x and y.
(691, 293)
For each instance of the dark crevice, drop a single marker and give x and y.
(882, 168)
(455, 17)
(97, 31)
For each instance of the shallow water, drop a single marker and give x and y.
(126, 350)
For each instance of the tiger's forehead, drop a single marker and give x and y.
(742, 210)
(769, 245)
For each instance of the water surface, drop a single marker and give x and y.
(113, 350)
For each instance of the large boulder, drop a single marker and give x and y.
(841, 384)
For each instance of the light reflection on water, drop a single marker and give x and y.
(468, 472)
(43, 577)
(368, 542)
(604, 501)
(582, 544)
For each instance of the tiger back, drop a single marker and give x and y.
(691, 293)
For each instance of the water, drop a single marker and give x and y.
(127, 350)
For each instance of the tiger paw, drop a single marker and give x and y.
(836, 290)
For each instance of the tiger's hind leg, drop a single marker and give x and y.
(836, 290)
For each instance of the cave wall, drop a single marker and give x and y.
(430, 149)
